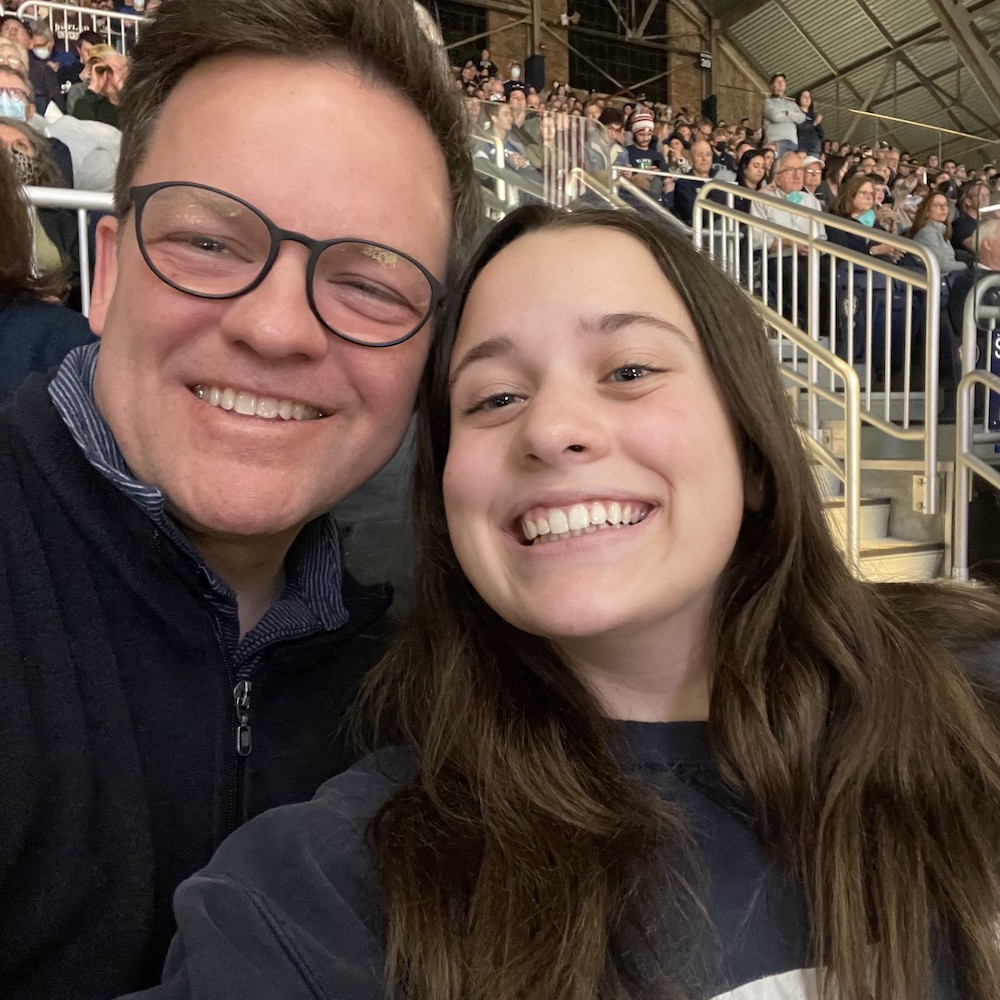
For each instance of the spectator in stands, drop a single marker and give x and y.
(987, 263)
(783, 256)
(43, 78)
(750, 173)
(514, 81)
(686, 189)
(106, 72)
(809, 131)
(17, 104)
(69, 76)
(641, 154)
(668, 740)
(834, 169)
(43, 47)
(812, 176)
(971, 198)
(56, 229)
(487, 68)
(677, 161)
(614, 128)
(35, 330)
(782, 116)
(932, 230)
(179, 634)
(500, 148)
(857, 201)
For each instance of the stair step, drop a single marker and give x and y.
(874, 518)
(896, 560)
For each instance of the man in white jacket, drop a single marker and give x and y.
(781, 115)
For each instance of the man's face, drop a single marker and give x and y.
(244, 476)
(701, 158)
(518, 102)
(534, 101)
(789, 175)
(85, 48)
(592, 111)
(949, 166)
(643, 136)
(11, 81)
(16, 32)
(932, 162)
(778, 87)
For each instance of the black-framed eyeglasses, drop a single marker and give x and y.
(213, 245)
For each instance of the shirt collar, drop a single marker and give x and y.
(313, 570)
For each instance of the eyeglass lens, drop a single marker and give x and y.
(207, 243)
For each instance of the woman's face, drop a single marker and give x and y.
(937, 210)
(754, 172)
(805, 100)
(864, 199)
(677, 148)
(593, 485)
(769, 155)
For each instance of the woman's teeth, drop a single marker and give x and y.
(249, 405)
(555, 524)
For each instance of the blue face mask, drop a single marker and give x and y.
(795, 197)
(13, 107)
(867, 218)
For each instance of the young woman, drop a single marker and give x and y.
(649, 737)
(810, 130)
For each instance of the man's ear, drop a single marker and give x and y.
(105, 272)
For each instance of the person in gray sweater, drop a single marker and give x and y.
(932, 230)
(781, 116)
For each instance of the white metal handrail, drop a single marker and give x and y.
(67, 21)
(747, 246)
(967, 463)
(83, 203)
(843, 393)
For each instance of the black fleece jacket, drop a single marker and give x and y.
(119, 774)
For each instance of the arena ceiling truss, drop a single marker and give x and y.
(928, 61)
(873, 66)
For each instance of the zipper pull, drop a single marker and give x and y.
(241, 698)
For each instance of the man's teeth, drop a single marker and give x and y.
(249, 405)
(556, 524)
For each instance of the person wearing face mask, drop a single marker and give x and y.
(789, 257)
(857, 201)
(514, 81)
(35, 331)
(44, 81)
(56, 230)
(17, 104)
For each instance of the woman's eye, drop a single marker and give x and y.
(630, 373)
(495, 402)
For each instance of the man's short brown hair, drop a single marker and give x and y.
(380, 39)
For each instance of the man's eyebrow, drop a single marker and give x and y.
(494, 347)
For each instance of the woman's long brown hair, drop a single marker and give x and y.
(525, 861)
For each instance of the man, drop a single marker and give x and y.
(42, 76)
(17, 102)
(179, 636)
(524, 130)
(781, 115)
(686, 189)
(641, 153)
(789, 257)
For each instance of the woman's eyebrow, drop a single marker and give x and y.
(613, 322)
(494, 347)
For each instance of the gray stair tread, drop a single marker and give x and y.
(888, 546)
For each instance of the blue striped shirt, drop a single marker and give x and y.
(311, 599)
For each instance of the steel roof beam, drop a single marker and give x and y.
(962, 33)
